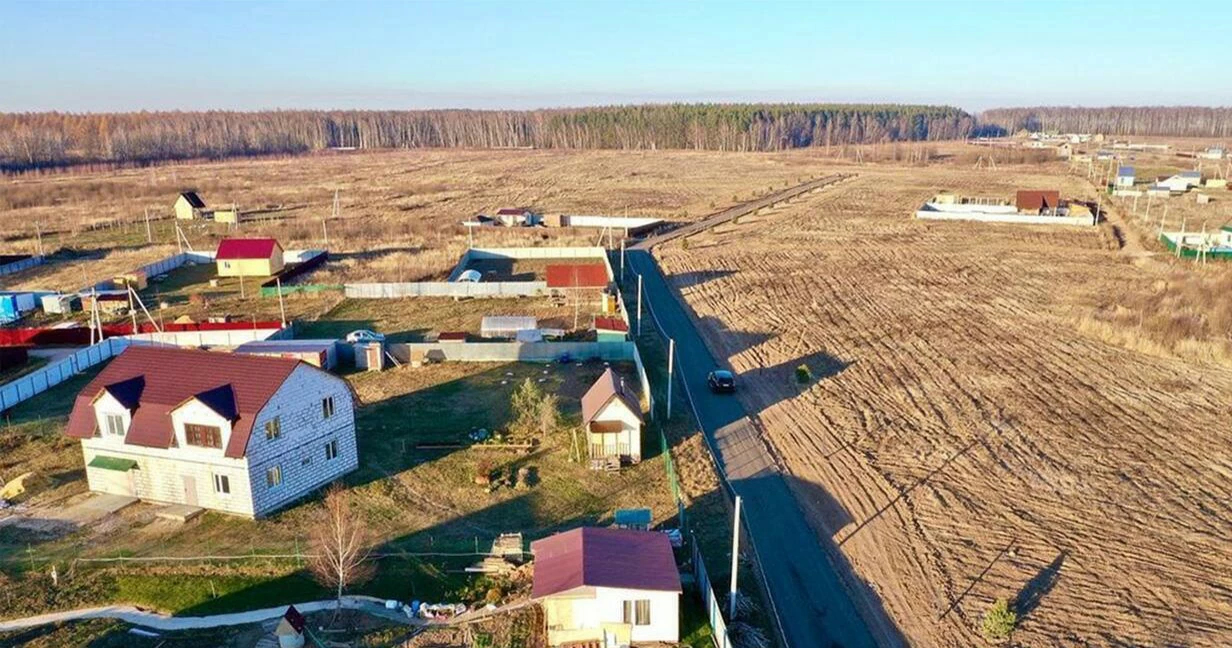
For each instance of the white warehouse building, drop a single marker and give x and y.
(236, 433)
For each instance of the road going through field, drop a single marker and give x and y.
(810, 604)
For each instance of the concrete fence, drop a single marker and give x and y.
(18, 266)
(515, 351)
(999, 217)
(446, 289)
(213, 338)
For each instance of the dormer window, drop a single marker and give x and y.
(202, 436)
(114, 424)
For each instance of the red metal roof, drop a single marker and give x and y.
(598, 557)
(611, 324)
(509, 211)
(577, 275)
(159, 379)
(246, 248)
(1034, 201)
(606, 388)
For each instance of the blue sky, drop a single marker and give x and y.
(129, 55)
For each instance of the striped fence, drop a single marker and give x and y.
(714, 607)
(35, 383)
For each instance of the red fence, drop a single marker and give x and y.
(81, 335)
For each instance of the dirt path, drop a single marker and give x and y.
(157, 621)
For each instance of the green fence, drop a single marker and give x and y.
(1193, 253)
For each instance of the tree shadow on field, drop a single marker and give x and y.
(1033, 593)
(730, 341)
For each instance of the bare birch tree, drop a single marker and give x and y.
(340, 545)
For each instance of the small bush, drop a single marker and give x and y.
(999, 621)
(684, 243)
(803, 375)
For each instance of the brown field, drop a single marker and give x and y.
(1030, 413)
(977, 442)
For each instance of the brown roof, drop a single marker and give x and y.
(610, 324)
(512, 211)
(157, 380)
(597, 557)
(606, 388)
(577, 275)
(1034, 201)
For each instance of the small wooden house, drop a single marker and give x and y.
(1038, 202)
(612, 415)
(1125, 177)
(611, 329)
(249, 257)
(189, 206)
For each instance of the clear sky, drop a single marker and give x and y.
(129, 55)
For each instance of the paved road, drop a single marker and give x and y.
(810, 603)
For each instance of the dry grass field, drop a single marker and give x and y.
(976, 441)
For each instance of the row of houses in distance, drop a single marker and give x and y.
(522, 217)
(1126, 183)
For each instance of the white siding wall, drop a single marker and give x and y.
(300, 450)
(617, 411)
(608, 607)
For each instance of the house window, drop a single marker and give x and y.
(331, 450)
(273, 428)
(327, 406)
(115, 424)
(222, 484)
(273, 476)
(637, 612)
(204, 436)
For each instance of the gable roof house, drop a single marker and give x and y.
(607, 587)
(612, 414)
(236, 433)
(249, 257)
(1125, 177)
(1182, 181)
(188, 205)
(517, 217)
(1037, 202)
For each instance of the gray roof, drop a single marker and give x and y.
(1125, 171)
(1191, 174)
(193, 199)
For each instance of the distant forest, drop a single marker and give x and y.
(1184, 121)
(48, 140)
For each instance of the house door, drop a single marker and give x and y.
(610, 640)
(190, 490)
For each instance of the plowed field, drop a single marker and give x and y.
(974, 442)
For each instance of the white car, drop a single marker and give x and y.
(364, 335)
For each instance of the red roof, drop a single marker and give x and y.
(1034, 201)
(597, 557)
(611, 324)
(247, 248)
(153, 381)
(605, 389)
(509, 211)
(577, 275)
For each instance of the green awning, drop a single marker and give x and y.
(112, 463)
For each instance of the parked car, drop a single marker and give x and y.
(364, 335)
(721, 380)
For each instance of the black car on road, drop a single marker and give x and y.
(721, 380)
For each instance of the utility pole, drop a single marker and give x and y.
(731, 597)
(639, 305)
(622, 261)
(38, 231)
(324, 228)
(671, 354)
(149, 235)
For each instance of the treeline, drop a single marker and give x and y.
(1183, 121)
(47, 140)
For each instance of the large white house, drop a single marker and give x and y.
(236, 433)
(612, 415)
(607, 587)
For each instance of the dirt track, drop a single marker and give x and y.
(968, 441)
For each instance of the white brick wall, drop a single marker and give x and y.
(300, 450)
(160, 473)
